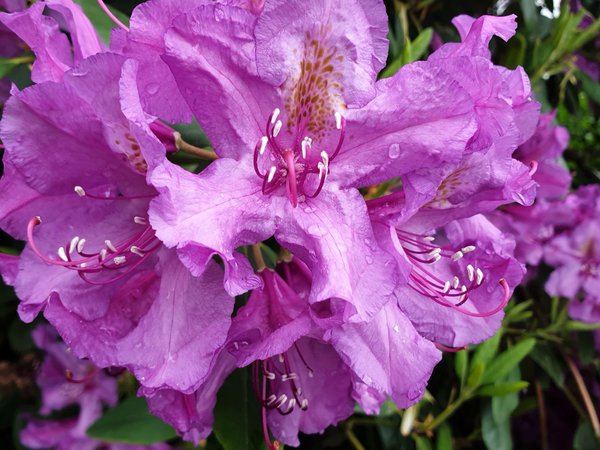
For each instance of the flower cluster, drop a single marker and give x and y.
(377, 196)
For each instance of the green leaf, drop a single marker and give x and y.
(487, 350)
(500, 389)
(496, 436)
(99, 19)
(545, 356)
(130, 422)
(422, 443)
(574, 325)
(461, 365)
(444, 438)
(238, 415)
(421, 43)
(8, 64)
(475, 375)
(585, 438)
(192, 134)
(590, 86)
(504, 363)
(504, 406)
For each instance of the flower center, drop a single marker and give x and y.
(113, 261)
(451, 293)
(294, 166)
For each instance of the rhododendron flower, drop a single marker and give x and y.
(55, 52)
(575, 254)
(65, 381)
(304, 378)
(532, 226)
(458, 277)
(299, 122)
(75, 188)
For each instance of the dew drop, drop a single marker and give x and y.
(369, 259)
(152, 88)
(394, 151)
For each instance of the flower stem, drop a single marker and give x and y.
(193, 150)
(585, 395)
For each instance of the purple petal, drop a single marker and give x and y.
(213, 213)
(388, 355)
(333, 236)
(288, 32)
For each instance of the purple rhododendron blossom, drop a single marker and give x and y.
(298, 122)
(575, 254)
(75, 188)
(307, 378)
(65, 380)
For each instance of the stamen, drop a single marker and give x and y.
(62, 254)
(429, 238)
(79, 191)
(338, 120)
(458, 255)
(533, 167)
(263, 145)
(275, 115)
(73, 245)
(467, 249)
(446, 287)
(272, 171)
(470, 272)
(277, 128)
(136, 251)
(479, 276)
(140, 220)
(110, 246)
(455, 282)
(120, 260)
(112, 16)
(80, 245)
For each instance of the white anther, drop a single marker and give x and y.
(306, 144)
(110, 246)
(325, 158)
(467, 249)
(299, 392)
(470, 272)
(80, 245)
(463, 288)
(291, 405)
(429, 238)
(272, 171)
(140, 220)
(304, 404)
(281, 358)
(455, 282)
(435, 251)
(103, 253)
(310, 373)
(119, 260)
(62, 254)
(269, 375)
(271, 399)
(281, 400)
(277, 128)
(263, 144)
(446, 287)
(479, 276)
(457, 255)
(79, 191)
(136, 251)
(289, 376)
(338, 120)
(436, 258)
(275, 115)
(73, 244)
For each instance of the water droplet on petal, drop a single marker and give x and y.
(369, 259)
(152, 88)
(394, 151)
